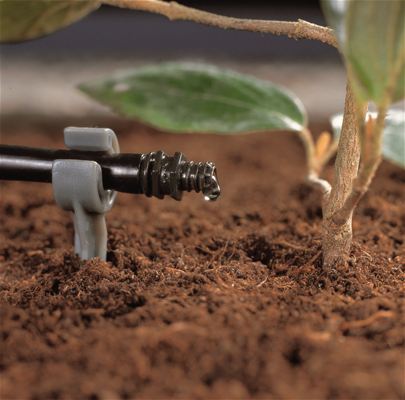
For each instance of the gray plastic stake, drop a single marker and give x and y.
(78, 187)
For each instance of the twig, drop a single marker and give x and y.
(284, 243)
(297, 30)
(364, 323)
(262, 282)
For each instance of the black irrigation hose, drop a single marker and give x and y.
(153, 174)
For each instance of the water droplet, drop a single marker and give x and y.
(212, 191)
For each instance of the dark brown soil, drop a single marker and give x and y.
(198, 300)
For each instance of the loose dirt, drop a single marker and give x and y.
(198, 300)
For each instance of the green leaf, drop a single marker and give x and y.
(393, 147)
(187, 97)
(371, 36)
(28, 19)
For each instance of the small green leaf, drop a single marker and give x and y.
(187, 97)
(371, 36)
(28, 19)
(393, 147)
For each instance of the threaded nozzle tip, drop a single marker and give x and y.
(162, 175)
(200, 177)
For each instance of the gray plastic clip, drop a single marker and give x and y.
(78, 187)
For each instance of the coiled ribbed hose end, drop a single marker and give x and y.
(162, 175)
(200, 177)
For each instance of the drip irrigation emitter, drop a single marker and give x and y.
(86, 176)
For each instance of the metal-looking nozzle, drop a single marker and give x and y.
(162, 175)
(200, 177)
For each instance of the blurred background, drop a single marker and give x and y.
(38, 78)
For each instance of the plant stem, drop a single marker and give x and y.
(297, 30)
(337, 237)
(328, 154)
(313, 166)
(368, 167)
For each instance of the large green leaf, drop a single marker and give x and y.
(28, 19)
(393, 147)
(371, 37)
(187, 97)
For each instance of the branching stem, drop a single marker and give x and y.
(337, 237)
(372, 141)
(348, 154)
(294, 29)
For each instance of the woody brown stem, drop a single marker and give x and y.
(337, 235)
(372, 141)
(294, 29)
